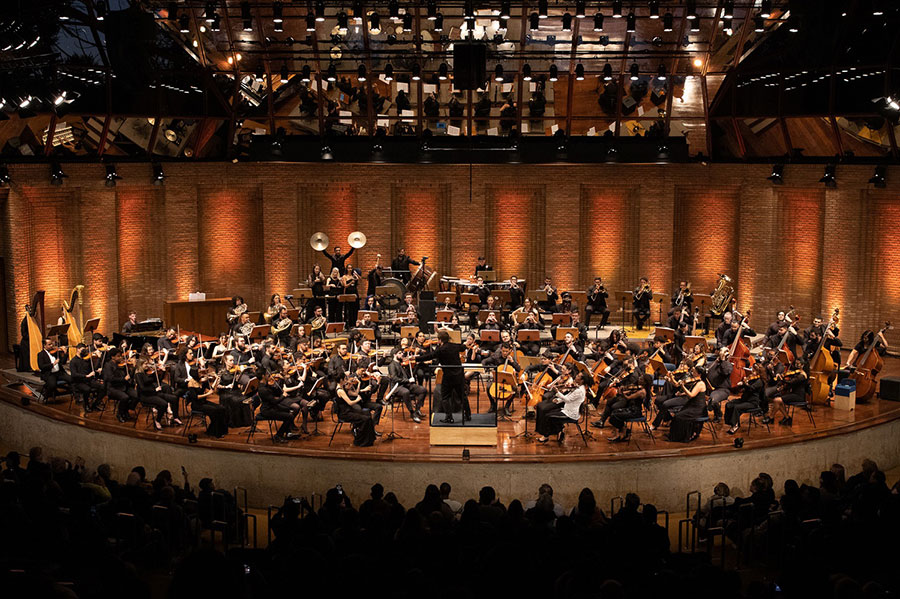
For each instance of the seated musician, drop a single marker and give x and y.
(680, 304)
(549, 305)
(628, 404)
(719, 376)
(473, 355)
(349, 406)
(276, 405)
(242, 327)
(752, 397)
(366, 322)
(199, 393)
(526, 308)
(491, 323)
(596, 303)
(559, 406)
(503, 356)
(421, 344)
(282, 326)
(594, 350)
(403, 386)
(532, 322)
(492, 303)
(610, 367)
(371, 304)
(119, 384)
(791, 391)
(723, 328)
(407, 314)
(732, 332)
(244, 355)
(663, 352)
(641, 302)
(238, 307)
(569, 345)
(786, 332)
(295, 386)
(158, 397)
(565, 307)
(780, 319)
(215, 350)
(581, 336)
(516, 293)
(865, 340)
(86, 381)
(50, 364)
(338, 363)
(270, 362)
(274, 308)
(129, 325)
(452, 324)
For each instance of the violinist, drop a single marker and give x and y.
(549, 305)
(596, 303)
(792, 390)
(403, 381)
(629, 404)
(338, 363)
(194, 384)
(152, 393)
(297, 380)
(684, 424)
(270, 361)
(419, 345)
(168, 346)
(243, 354)
(560, 407)
(85, 378)
(641, 302)
(752, 397)
(472, 354)
(50, 364)
(516, 293)
(230, 394)
(503, 357)
(237, 308)
(719, 376)
(348, 404)
(276, 405)
(569, 345)
(120, 383)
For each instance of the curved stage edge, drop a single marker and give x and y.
(269, 472)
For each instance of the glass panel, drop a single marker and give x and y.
(864, 136)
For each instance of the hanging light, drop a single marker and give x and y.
(101, 9)
(210, 11)
(526, 72)
(332, 73)
(695, 25)
(407, 22)
(310, 21)
(432, 10)
(554, 73)
(598, 21)
(728, 10)
(668, 22)
(375, 23)
(246, 16)
(277, 12)
(388, 72)
(654, 9)
(879, 179)
(829, 178)
(439, 22)
(159, 176)
(579, 72)
(579, 9)
(342, 22)
(542, 8)
(443, 71)
(631, 21)
(661, 72)
(184, 23)
(306, 74)
(759, 24)
(617, 9)
(567, 22)
(498, 73)
(534, 22)
(357, 9)
(765, 10)
(504, 10)
(285, 74)
(394, 10)
(111, 175)
(691, 9)
(607, 72)
(216, 24)
(416, 72)
(635, 71)
(320, 11)
(56, 173)
(361, 72)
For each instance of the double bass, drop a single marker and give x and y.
(821, 366)
(867, 368)
(739, 354)
(785, 353)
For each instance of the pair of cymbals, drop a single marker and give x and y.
(319, 240)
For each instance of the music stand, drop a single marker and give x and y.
(443, 315)
(503, 296)
(489, 276)
(455, 336)
(251, 387)
(373, 315)
(469, 298)
(520, 317)
(334, 327)
(538, 295)
(664, 334)
(703, 297)
(528, 335)
(260, 331)
(58, 329)
(483, 314)
(408, 330)
(444, 297)
(561, 319)
(348, 298)
(90, 326)
(489, 336)
(660, 298)
(622, 297)
(690, 342)
(254, 316)
(293, 313)
(367, 334)
(561, 332)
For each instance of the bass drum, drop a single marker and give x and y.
(421, 280)
(398, 290)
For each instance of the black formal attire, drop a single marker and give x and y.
(530, 348)
(333, 288)
(336, 366)
(400, 267)
(119, 389)
(719, 377)
(274, 406)
(361, 422)
(127, 328)
(374, 279)
(497, 359)
(318, 298)
(550, 304)
(82, 384)
(751, 399)
(447, 355)
(338, 260)
(720, 333)
(597, 304)
(240, 414)
(628, 405)
(410, 393)
(516, 297)
(149, 396)
(683, 425)
(621, 403)
(351, 309)
(641, 308)
(51, 374)
(730, 334)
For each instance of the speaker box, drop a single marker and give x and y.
(889, 388)
(427, 308)
(469, 65)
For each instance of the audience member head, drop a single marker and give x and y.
(487, 496)
(445, 490)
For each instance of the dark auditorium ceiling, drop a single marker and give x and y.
(739, 80)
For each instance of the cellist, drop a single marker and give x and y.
(503, 358)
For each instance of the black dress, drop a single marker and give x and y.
(239, 413)
(683, 424)
(363, 425)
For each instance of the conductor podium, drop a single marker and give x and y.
(481, 430)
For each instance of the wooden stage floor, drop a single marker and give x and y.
(415, 445)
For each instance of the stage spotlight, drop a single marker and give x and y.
(765, 10)
(526, 72)
(567, 22)
(662, 151)
(443, 71)
(554, 73)
(879, 179)
(498, 73)
(598, 22)
(691, 10)
(111, 175)
(611, 154)
(617, 9)
(607, 72)
(829, 178)
(277, 12)
(101, 7)
(407, 22)
(630, 23)
(728, 10)
(579, 72)
(56, 173)
(326, 153)
(579, 8)
(534, 21)
(759, 24)
(158, 175)
(777, 176)
(635, 71)
(278, 142)
(342, 21)
(439, 22)
(210, 12)
(4, 175)
(184, 23)
(668, 22)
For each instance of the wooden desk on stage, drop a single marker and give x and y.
(206, 317)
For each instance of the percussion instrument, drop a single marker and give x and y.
(422, 279)
(394, 299)
(357, 239)
(319, 241)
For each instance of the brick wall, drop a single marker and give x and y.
(245, 228)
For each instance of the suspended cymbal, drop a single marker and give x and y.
(357, 239)
(319, 241)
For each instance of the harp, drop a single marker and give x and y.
(34, 330)
(73, 314)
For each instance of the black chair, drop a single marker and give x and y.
(256, 420)
(201, 416)
(705, 422)
(752, 415)
(803, 405)
(338, 422)
(645, 426)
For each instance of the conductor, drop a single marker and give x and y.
(447, 355)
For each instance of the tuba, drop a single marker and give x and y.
(720, 299)
(74, 316)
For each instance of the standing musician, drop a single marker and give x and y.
(350, 282)
(400, 266)
(237, 308)
(334, 286)
(549, 305)
(403, 383)
(482, 265)
(596, 303)
(50, 363)
(719, 376)
(447, 354)
(316, 282)
(642, 295)
(516, 293)
(120, 383)
(481, 290)
(375, 277)
(129, 325)
(503, 356)
(85, 378)
(562, 404)
(338, 259)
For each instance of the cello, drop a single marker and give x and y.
(503, 391)
(867, 368)
(821, 365)
(739, 354)
(539, 387)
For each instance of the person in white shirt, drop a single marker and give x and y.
(555, 410)
(455, 506)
